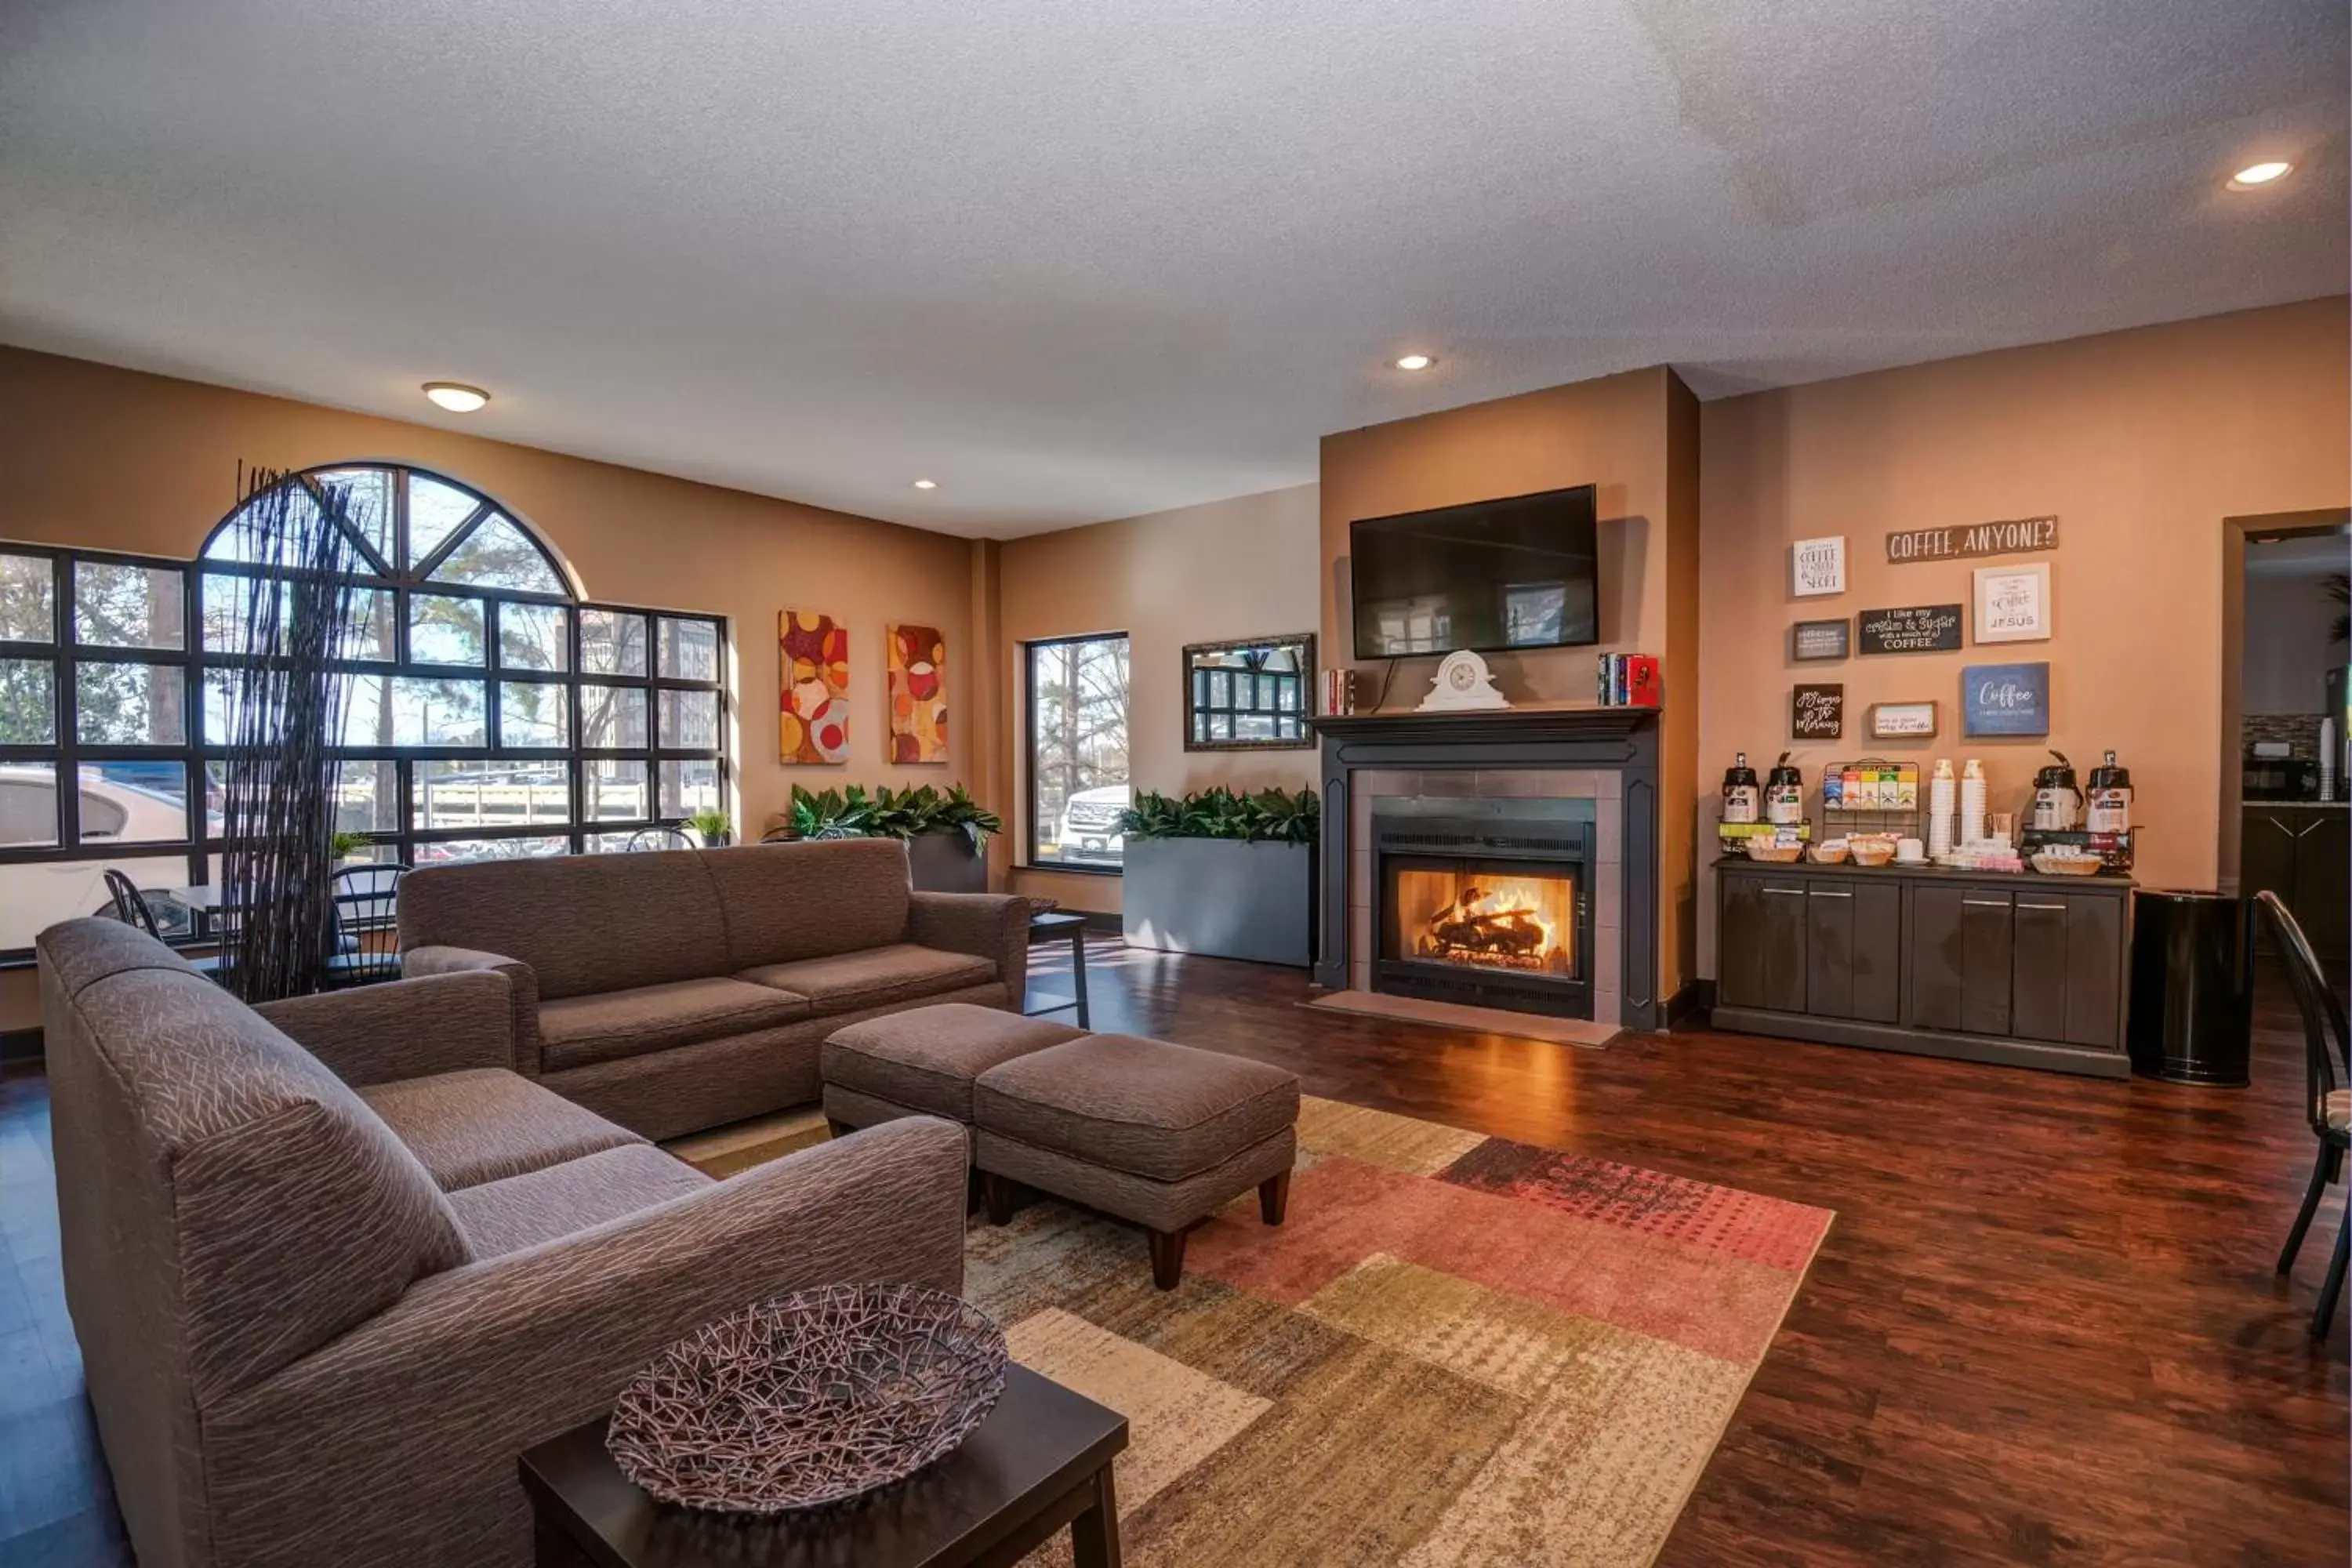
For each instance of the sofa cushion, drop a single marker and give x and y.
(875, 977)
(926, 1058)
(1157, 1109)
(583, 923)
(486, 1123)
(786, 902)
(576, 1031)
(540, 1205)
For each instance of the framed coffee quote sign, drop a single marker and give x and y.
(1817, 712)
(1819, 639)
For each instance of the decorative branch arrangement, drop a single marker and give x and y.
(285, 707)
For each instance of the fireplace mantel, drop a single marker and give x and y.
(1623, 741)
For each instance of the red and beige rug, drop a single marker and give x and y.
(1457, 1350)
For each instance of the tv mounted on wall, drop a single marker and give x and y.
(1495, 575)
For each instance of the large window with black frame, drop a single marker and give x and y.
(486, 710)
(1076, 695)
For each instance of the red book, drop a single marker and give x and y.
(1642, 688)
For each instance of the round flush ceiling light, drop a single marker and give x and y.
(456, 397)
(2253, 176)
(927, 484)
(1415, 362)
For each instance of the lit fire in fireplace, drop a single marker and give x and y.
(1510, 923)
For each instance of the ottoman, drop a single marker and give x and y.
(921, 1062)
(1161, 1134)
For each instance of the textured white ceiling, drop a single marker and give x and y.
(1085, 258)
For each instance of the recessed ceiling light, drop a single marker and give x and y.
(2255, 175)
(927, 484)
(456, 397)
(1415, 362)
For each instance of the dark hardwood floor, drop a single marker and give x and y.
(2043, 1328)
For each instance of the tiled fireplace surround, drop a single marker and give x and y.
(1609, 756)
(1603, 788)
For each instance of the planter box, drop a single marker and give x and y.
(1222, 897)
(945, 863)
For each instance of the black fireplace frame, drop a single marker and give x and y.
(1505, 844)
(1624, 741)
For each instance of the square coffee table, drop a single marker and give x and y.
(1042, 1460)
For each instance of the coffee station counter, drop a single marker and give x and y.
(2016, 967)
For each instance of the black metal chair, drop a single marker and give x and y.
(660, 838)
(2327, 1101)
(366, 902)
(133, 906)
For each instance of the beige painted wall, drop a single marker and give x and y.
(2140, 442)
(1236, 568)
(1633, 436)
(112, 458)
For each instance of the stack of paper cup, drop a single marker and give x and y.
(1973, 803)
(1943, 795)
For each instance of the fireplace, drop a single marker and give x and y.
(1485, 902)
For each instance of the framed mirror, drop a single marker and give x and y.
(1253, 694)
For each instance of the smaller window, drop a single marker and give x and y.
(118, 704)
(689, 786)
(118, 606)
(444, 629)
(1077, 700)
(689, 650)
(134, 803)
(611, 643)
(28, 702)
(617, 791)
(612, 718)
(29, 804)
(435, 511)
(28, 610)
(533, 713)
(430, 711)
(534, 637)
(499, 555)
(689, 720)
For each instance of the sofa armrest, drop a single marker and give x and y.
(521, 982)
(406, 1028)
(434, 1398)
(994, 926)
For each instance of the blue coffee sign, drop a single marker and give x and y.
(2005, 699)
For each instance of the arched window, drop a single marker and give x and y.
(489, 710)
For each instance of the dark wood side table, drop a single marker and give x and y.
(1053, 926)
(1042, 1460)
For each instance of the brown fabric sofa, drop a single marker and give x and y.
(675, 991)
(333, 1266)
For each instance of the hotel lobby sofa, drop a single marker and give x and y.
(333, 1266)
(675, 991)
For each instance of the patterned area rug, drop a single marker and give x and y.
(1457, 1350)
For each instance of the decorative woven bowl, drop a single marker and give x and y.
(809, 1399)
(1873, 854)
(2069, 865)
(1827, 854)
(1779, 854)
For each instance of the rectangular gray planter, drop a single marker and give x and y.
(944, 863)
(1220, 897)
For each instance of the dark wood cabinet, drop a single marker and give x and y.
(2302, 852)
(2029, 970)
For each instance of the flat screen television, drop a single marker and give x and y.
(1492, 576)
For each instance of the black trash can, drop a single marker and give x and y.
(2192, 991)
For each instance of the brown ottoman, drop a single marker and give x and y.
(1161, 1134)
(921, 1062)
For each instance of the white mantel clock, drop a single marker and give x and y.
(1464, 684)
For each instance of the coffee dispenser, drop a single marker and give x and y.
(2057, 798)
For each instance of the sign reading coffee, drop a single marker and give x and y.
(1816, 712)
(1913, 629)
(2014, 537)
(2005, 699)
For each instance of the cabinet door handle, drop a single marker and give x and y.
(2051, 909)
(1985, 903)
(2312, 828)
(1828, 893)
(1787, 892)
(2281, 827)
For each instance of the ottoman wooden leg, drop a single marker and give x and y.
(1167, 1258)
(1273, 1197)
(997, 1194)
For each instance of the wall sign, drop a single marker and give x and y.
(1903, 721)
(2014, 537)
(1914, 628)
(2005, 700)
(1816, 712)
(1816, 566)
(1820, 639)
(2014, 603)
